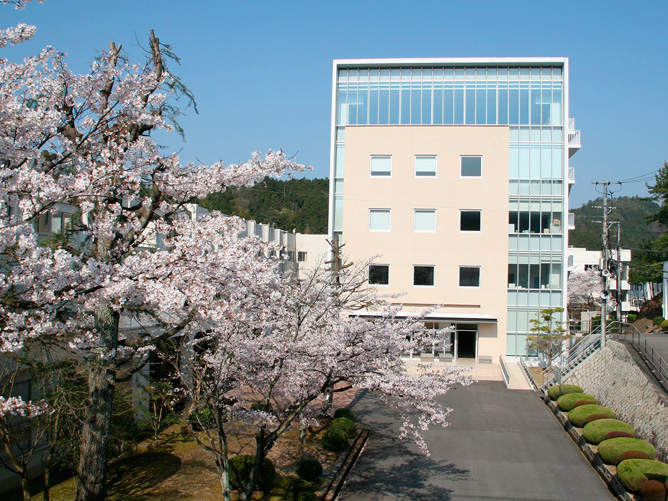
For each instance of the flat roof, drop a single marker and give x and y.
(454, 61)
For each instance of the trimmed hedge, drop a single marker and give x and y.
(597, 431)
(346, 426)
(614, 450)
(554, 392)
(300, 490)
(241, 468)
(334, 440)
(653, 490)
(309, 469)
(579, 415)
(570, 401)
(346, 413)
(633, 472)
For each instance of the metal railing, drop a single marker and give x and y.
(655, 362)
(571, 357)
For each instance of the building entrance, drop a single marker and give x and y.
(467, 341)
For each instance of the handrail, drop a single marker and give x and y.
(527, 375)
(571, 357)
(656, 363)
(504, 371)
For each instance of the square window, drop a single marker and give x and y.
(379, 274)
(425, 166)
(301, 256)
(471, 166)
(423, 275)
(425, 220)
(379, 219)
(381, 165)
(469, 220)
(469, 276)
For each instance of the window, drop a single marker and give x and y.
(425, 166)
(381, 165)
(379, 219)
(469, 276)
(469, 220)
(379, 274)
(471, 166)
(423, 275)
(301, 256)
(425, 220)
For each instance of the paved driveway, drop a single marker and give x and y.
(502, 444)
(659, 342)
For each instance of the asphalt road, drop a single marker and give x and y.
(659, 342)
(501, 444)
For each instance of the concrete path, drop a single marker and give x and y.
(501, 444)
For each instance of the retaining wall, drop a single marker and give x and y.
(612, 376)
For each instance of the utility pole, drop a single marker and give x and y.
(605, 272)
(618, 270)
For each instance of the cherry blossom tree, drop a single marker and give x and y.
(584, 288)
(86, 141)
(270, 365)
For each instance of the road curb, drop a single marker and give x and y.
(343, 466)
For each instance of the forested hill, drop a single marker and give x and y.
(631, 212)
(295, 203)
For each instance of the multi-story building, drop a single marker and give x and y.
(456, 172)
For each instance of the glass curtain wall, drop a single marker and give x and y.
(529, 99)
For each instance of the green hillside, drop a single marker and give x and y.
(301, 204)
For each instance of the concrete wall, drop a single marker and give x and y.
(612, 376)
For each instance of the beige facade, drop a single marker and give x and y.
(446, 248)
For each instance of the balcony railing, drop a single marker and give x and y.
(571, 175)
(574, 143)
(571, 221)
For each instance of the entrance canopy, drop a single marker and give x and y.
(476, 318)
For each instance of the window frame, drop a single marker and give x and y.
(387, 266)
(382, 174)
(378, 209)
(473, 267)
(461, 213)
(415, 212)
(433, 275)
(461, 174)
(427, 176)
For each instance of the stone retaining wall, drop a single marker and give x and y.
(615, 380)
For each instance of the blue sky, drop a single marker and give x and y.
(261, 70)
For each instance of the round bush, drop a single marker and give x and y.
(613, 449)
(309, 469)
(572, 400)
(631, 317)
(664, 325)
(634, 455)
(241, 468)
(579, 415)
(346, 426)
(658, 321)
(597, 431)
(652, 490)
(594, 417)
(633, 472)
(618, 434)
(202, 419)
(334, 440)
(300, 490)
(346, 413)
(554, 392)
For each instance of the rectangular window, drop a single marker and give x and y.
(381, 165)
(469, 220)
(379, 219)
(423, 275)
(469, 276)
(301, 256)
(425, 220)
(379, 274)
(471, 166)
(425, 166)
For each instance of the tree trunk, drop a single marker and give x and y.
(95, 434)
(47, 483)
(24, 486)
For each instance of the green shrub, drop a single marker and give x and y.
(309, 469)
(631, 317)
(554, 392)
(334, 440)
(618, 434)
(202, 419)
(597, 431)
(579, 415)
(664, 325)
(634, 455)
(594, 417)
(612, 450)
(241, 468)
(346, 426)
(658, 321)
(346, 413)
(570, 401)
(300, 490)
(633, 472)
(652, 490)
